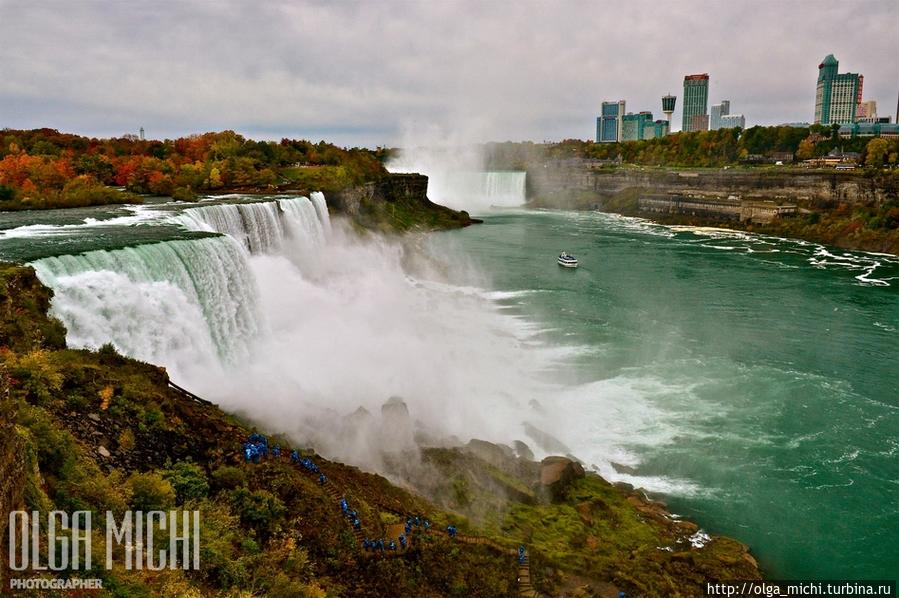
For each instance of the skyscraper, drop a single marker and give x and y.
(632, 126)
(837, 94)
(696, 102)
(718, 110)
(608, 125)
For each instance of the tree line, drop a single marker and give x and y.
(723, 147)
(45, 168)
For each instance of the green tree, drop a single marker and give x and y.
(7, 193)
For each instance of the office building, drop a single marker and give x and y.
(866, 110)
(696, 102)
(632, 125)
(608, 125)
(733, 121)
(656, 129)
(837, 95)
(717, 111)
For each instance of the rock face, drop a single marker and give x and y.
(578, 176)
(396, 426)
(398, 201)
(556, 473)
(522, 450)
(496, 454)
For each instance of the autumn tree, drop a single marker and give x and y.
(876, 151)
(806, 149)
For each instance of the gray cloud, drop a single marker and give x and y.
(364, 73)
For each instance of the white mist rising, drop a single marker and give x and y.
(305, 329)
(456, 172)
(356, 324)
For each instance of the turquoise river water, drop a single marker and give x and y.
(753, 381)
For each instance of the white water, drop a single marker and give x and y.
(184, 304)
(475, 192)
(457, 179)
(259, 322)
(261, 227)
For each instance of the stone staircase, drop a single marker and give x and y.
(524, 579)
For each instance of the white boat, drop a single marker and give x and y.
(567, 260)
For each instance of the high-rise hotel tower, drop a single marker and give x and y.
(696, 103)
(837, 94)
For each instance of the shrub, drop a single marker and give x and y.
(150, 492)
(259, 509)
(188, 479)
(184, 194)
(35, 377)
(229, 478)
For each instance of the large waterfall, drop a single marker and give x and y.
(262, 226)
(189, 303)
(490, 189)
(477, 192)
(160, 302)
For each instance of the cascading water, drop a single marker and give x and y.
(477, 191)
(504, 189)
(185, 304)
(175, 302)
(261, 227)
(321, 208)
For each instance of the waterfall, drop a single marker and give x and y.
(321, 208)
(303, 220)
(504, 189)
(183, 301)
(478, 191)
(192, 301)
(262, 226)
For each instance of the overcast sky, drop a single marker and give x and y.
(370, 73)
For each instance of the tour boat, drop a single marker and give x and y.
(567, 260)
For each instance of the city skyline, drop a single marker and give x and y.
(389, 73)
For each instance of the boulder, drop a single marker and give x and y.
(497, 455)
(557, 473)
(522, 450)
(396, 426)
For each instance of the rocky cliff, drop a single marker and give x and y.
(396, 202)
(572, 184)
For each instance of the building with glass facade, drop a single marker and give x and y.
(609, 123)
(696, 102)
(733, 121)
(632, 125)
(837, 95)
(869, 130)
(655, 129)
(716, 112)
